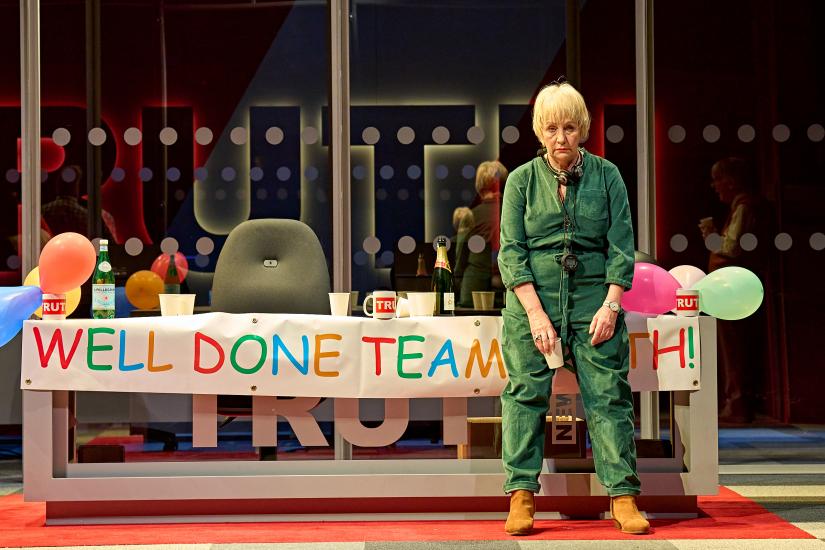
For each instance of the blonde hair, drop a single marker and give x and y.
(463, 219)
(558, 103)
(490, 176)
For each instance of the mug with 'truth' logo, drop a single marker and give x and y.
(687, 302)
(383, 304)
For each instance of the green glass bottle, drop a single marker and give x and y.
(103, 285)
(443, 280)
(171, 282)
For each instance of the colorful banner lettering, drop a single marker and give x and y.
(304, 355)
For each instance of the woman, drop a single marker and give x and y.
(566, 258)
(476, 268)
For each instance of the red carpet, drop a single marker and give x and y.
(727, 516)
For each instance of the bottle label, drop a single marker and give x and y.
(171, 289)
(449, 301)
(104, 267)
(103, 297)
(443, 265)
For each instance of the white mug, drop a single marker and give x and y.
(54, 307)
(384, 304)
(687, 302)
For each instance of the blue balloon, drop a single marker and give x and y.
(123, 307)
(17, 303)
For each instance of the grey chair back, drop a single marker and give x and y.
(199, 284)
(271, 266)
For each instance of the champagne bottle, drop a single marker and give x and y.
(443, 280)
(171, 282)
(103, 285)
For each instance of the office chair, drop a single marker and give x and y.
(269, 266)
(199, 283)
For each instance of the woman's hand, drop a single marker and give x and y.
(544, 335)
(707, 227)
(603, 325)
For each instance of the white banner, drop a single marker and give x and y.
(675, 352)
(289, 355)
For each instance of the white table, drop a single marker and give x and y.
(349, 489)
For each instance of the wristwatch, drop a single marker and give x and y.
(613, 306)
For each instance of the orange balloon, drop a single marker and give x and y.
(66, 262)
(142, 289)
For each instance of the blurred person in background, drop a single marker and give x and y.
(65, 213)
(479, 268)
(740, 343)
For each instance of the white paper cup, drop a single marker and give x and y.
(339, 303)
(422, 304)
(402, 308)
(483, 299)
(177, 304)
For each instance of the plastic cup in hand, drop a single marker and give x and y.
(339, 303)
(483, 299)
(176, 304)
(422, 304)
(555, 358)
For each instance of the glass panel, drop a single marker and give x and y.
(175, 122)
(436, 130)
(739, 160)
(10, 179)
(10, 224)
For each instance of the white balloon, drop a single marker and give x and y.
(687, 275)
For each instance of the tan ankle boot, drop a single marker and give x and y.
(626, 516)
(520, 518)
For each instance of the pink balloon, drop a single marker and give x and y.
(654, 290)
(66, 262)
(161, 264)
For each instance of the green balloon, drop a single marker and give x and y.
(644, 257)
(730, 293)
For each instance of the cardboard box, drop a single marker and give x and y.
(484, 438)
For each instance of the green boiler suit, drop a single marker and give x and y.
(532, 242)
